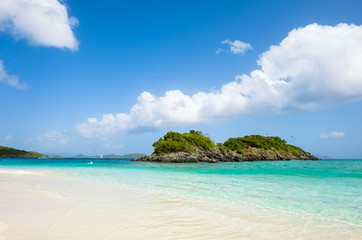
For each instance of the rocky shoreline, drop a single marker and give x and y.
(214, 156)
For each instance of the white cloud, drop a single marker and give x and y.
(41, 22)
(218, 50)
(11, 80)
(313, 67)
(333, 134)
(108, 125)
(9, 137)
(237, 47)
(51, 139)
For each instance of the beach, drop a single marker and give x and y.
(124, 200)
(180, 120)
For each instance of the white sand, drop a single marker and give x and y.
(42, 206)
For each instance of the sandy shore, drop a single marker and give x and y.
(42, 205)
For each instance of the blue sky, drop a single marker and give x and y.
(113, 76)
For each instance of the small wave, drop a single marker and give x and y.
(19, 172)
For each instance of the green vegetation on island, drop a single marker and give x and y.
(186, 142)
(8, 152)
(242, 144)
(197, 147)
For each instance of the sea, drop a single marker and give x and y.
(121, 199)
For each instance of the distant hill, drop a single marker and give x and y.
(323, 157)
(132, 155)
(7, 152)
(81, 156)
(196, 147)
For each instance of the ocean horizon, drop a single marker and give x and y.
(243, 200)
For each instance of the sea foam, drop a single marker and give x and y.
(20, 172)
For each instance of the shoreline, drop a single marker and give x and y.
(51, 205)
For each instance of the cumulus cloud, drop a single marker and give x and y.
(313, 67)
(108, 125)
(41, 22)
(333, 134)
(51, 139)
(237, 46)
(10, 80)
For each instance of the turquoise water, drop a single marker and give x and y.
(330, 190)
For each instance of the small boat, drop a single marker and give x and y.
(89, 162)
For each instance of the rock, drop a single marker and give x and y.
(214, 156)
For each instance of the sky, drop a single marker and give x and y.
(99, 77)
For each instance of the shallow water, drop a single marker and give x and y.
(252, 200)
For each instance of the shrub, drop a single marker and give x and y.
(256, 141)
(186, 142)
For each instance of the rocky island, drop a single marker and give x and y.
(196, 147)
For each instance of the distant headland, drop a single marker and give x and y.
(196, 147)
(107, 156)
(8, 152)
